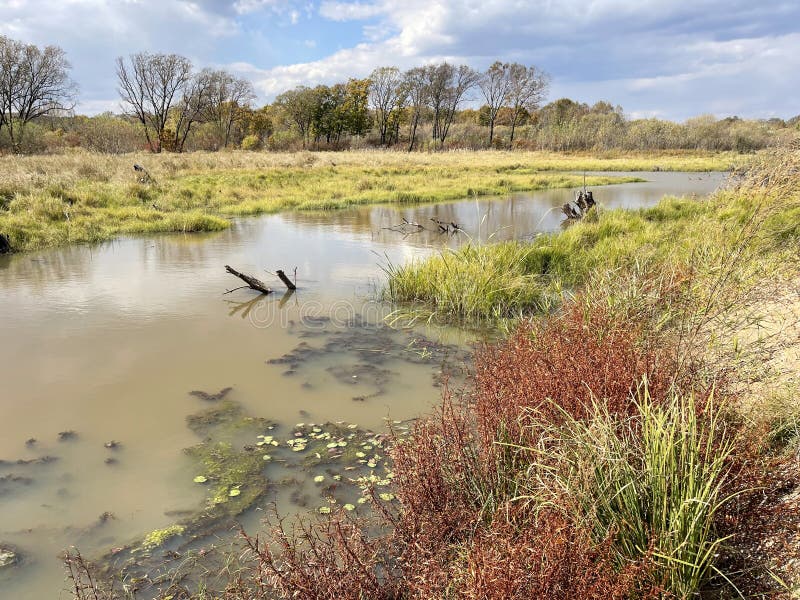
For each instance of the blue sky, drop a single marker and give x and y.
(667, 58)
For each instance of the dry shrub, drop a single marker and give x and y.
(762, 521)
(548, 559)
(559, 367)
(459, 530)
(338, 558)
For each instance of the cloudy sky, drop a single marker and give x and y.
(666, 58)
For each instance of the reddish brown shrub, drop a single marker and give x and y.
(338, 558)
(762, 521)
(548, 558)
(551, 369)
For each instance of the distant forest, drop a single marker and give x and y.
(168, 106)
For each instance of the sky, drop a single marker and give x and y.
(671, 59)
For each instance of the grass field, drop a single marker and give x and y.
(82, 197)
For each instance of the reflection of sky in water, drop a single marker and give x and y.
(338, 254)
(107, 340)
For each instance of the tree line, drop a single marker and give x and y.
(167, 105)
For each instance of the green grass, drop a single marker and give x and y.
(505, 280)
(86, 198)
(653, 482)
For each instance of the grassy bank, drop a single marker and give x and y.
(491, 282)
(81, 197)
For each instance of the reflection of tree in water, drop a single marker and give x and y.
(243, 309)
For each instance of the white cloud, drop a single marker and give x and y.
(350, 11)
(244, 7)
(652, 56)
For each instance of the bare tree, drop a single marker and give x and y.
(34, 83)
(462, 79)
(10, 51)
(385, 95)
(150, 85)
(416, 92)
(495, 86)
(192, 107)
(227, 96)
(437, 81)
(528, 87)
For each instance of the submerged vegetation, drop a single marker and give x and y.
(87, 198)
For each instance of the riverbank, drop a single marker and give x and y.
(639, 442)
(82, 197)
(481, 283)
(665, 380)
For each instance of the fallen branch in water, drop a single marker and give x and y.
(251, 282)
(445, 227)
(406, 223)
(286, 281)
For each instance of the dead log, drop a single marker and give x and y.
(570, 212)
(251, 282)
(286, 281)
(412, 224)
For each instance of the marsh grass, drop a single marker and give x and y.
(85, 197)
(750, 226)
(475, 283)
(653, 482)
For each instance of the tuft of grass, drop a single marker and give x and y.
(473, 283)
(653, 482)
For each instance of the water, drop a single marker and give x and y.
(107, 341)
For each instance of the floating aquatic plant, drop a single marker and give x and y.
(200, 479)
(156, 538)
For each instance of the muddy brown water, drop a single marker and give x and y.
(108, 341)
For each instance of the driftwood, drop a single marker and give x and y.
(286, 281)
(251, 282)
(443, 227)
